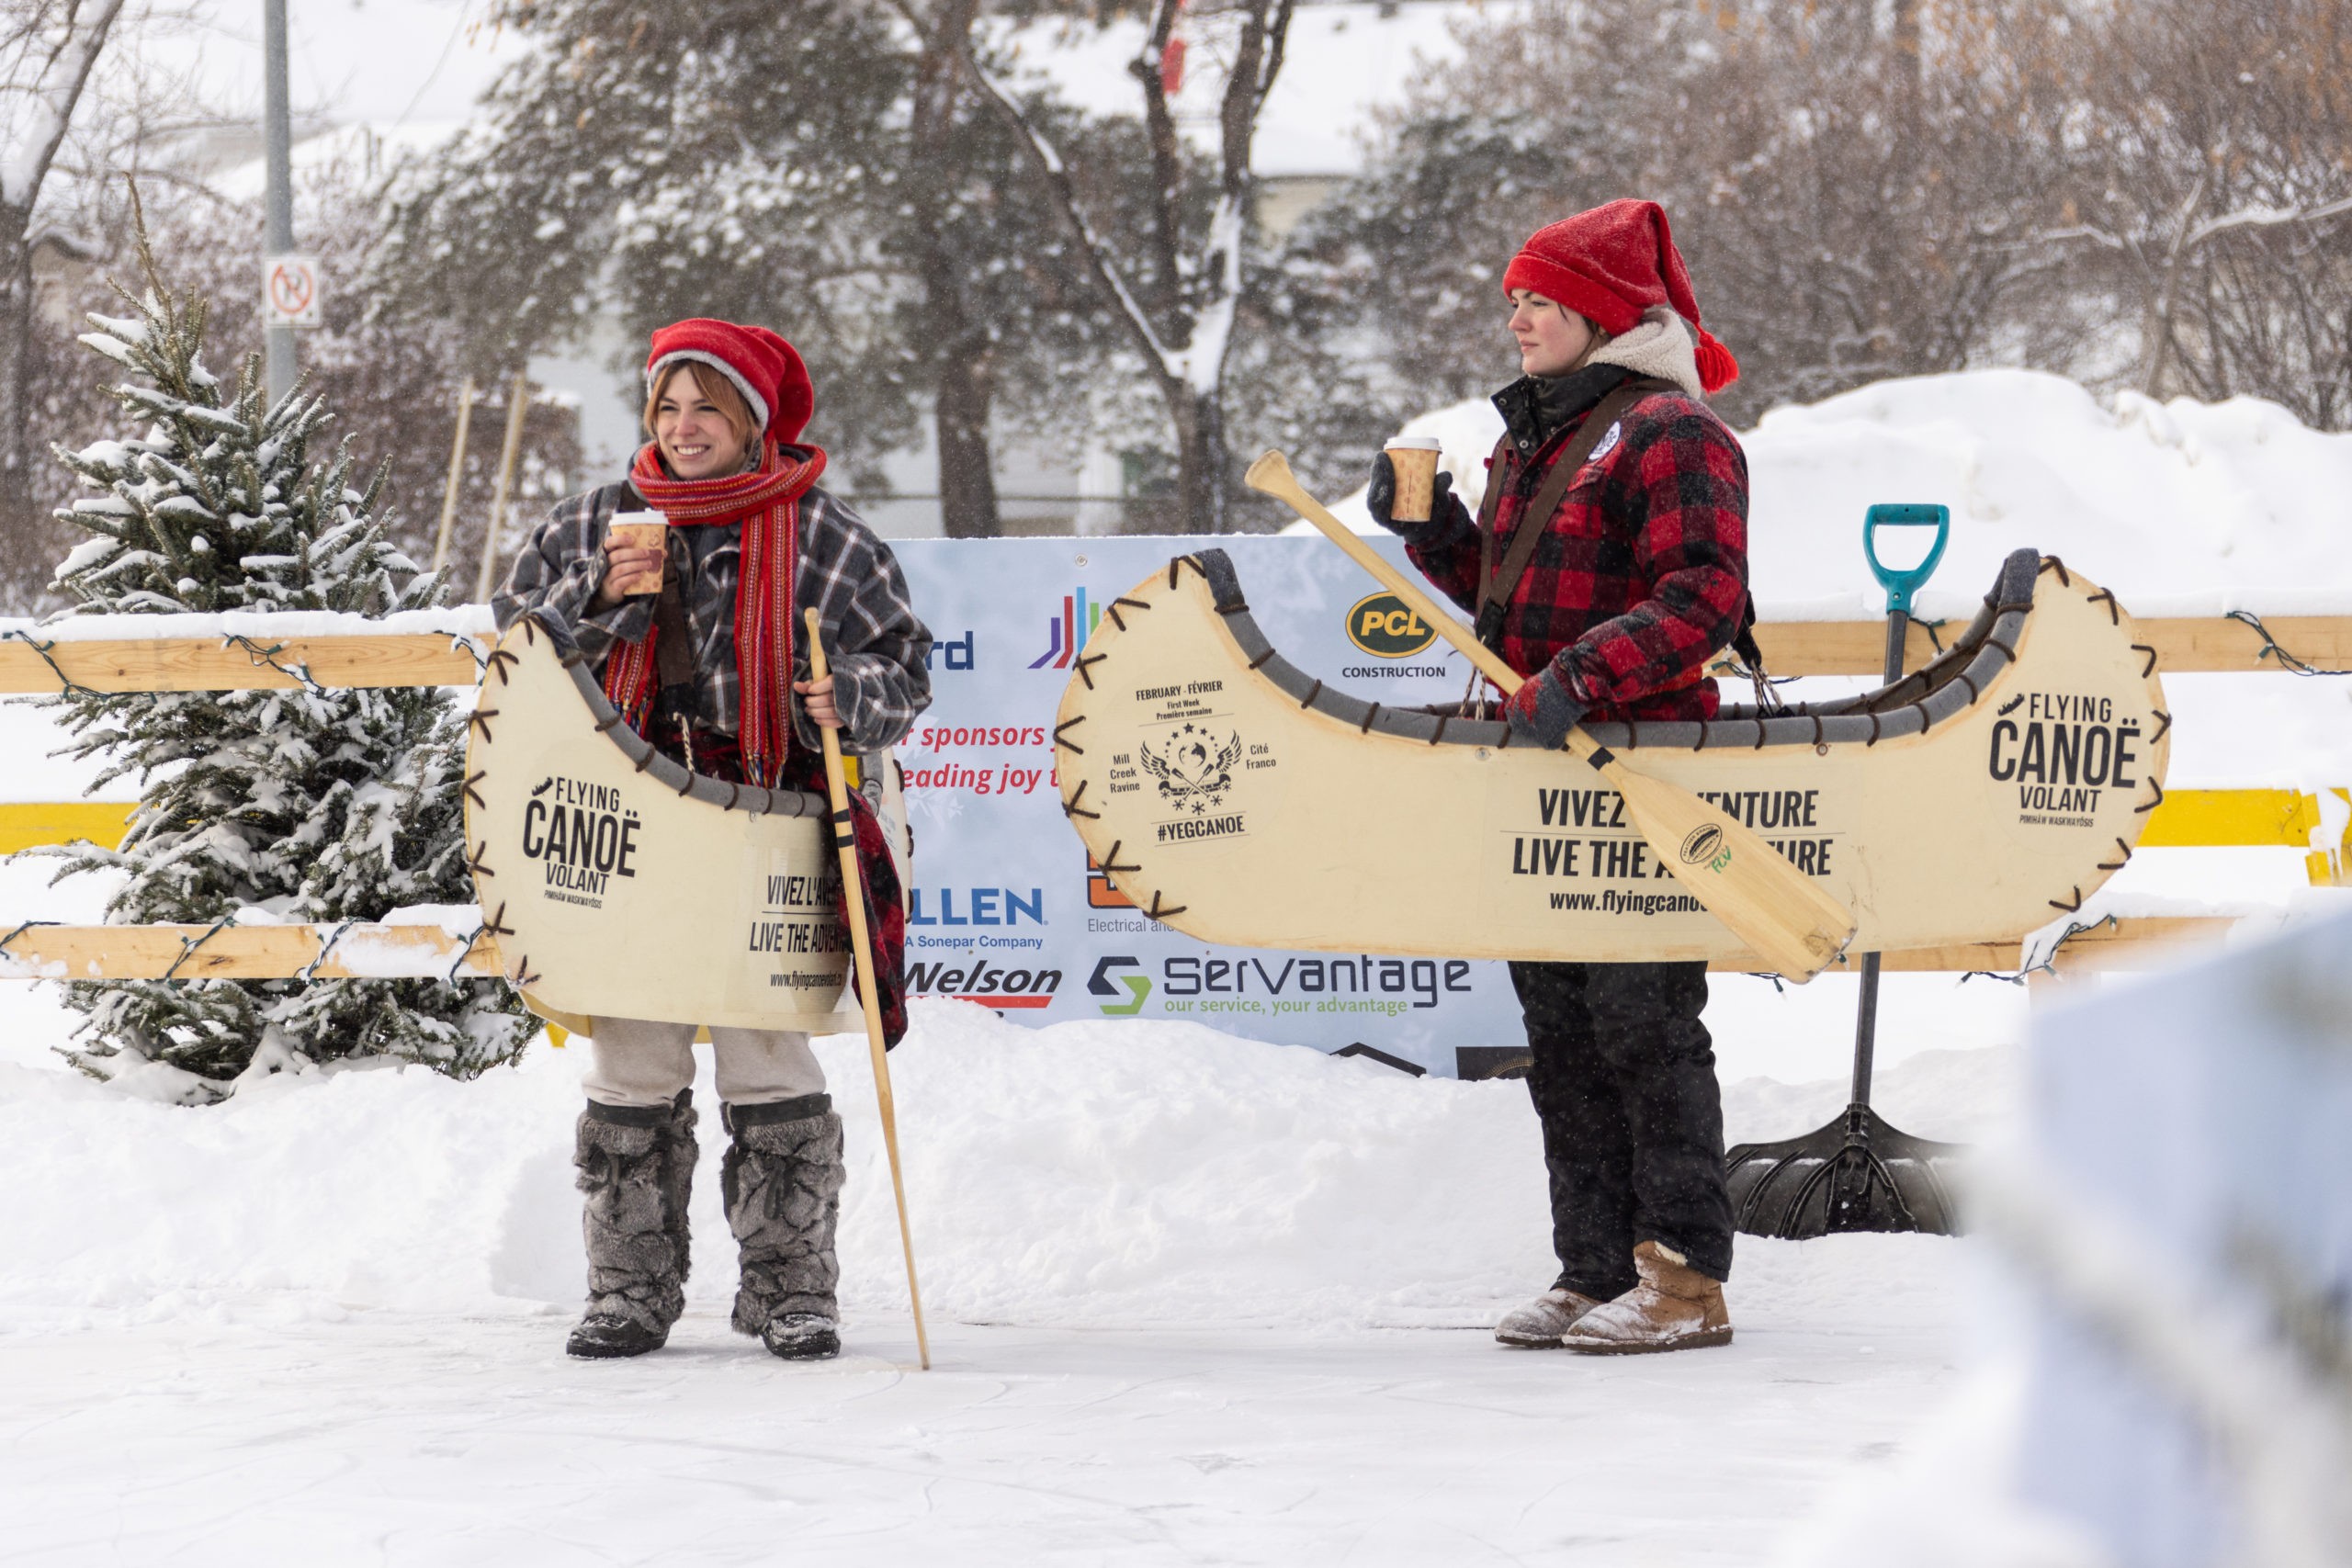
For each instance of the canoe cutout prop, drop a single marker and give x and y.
(1240, 800)
(618, 884)
(1768, 903)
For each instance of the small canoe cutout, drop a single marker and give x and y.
(619, 885)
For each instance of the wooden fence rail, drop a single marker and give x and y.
(28, 665)
(357, 950)
(210, 664)
(384, 951)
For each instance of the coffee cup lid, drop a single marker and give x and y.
(1416, 444)
(649, 517)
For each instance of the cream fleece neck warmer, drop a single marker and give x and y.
(1660, 345)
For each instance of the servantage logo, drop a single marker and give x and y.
(1101, 983)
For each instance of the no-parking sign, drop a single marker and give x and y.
(290, 291)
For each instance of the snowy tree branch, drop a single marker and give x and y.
(51, 59)
(1093, 251)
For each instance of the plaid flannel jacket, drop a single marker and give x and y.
(879, 650)
(1642, 575)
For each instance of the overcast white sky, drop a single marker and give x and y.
(393, 63)
(415, 65)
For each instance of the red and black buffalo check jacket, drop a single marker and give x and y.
(1642, 576)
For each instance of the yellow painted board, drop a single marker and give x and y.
(102, 822)
(2217, 819)
(2194, 819)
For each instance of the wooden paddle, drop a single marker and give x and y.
(862, 945)
(1769, 904)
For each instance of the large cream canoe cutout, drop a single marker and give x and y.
(1240, 800)
(619, 885)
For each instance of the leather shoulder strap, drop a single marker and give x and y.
(1500, 581)
(1488, 505)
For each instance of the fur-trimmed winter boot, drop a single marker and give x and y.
(782, 1180)
(637, 1165)
(1675, 1307)
(1539, 1325)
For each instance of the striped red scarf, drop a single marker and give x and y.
(766, 501)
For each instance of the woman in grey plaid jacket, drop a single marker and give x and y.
(695, 645)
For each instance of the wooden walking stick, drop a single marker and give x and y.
(862, 945)
(1741, 880)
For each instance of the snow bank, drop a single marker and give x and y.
(2184, 508)
(1090, 1175)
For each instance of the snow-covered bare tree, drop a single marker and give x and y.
(1176, 290)
(1860, 187)
(306, 804)
(2217, 192)
(818, 168)
(48, 49)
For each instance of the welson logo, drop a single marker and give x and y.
(1068, 633)
(991, 985)
(1193, 768)
(1384, 627)
(580, 837)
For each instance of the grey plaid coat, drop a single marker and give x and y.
(878, 649)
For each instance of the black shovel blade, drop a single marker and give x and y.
(1857, 1173)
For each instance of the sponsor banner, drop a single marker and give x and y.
(1006, 909)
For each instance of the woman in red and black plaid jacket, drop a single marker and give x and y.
(1638, 576)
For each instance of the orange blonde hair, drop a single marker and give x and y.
(721, 393)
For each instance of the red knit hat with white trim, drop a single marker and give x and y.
(1611, 264)
(763, 367)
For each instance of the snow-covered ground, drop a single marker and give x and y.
(1191, 1299)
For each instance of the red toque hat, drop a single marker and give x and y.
(1611, 264)
(764, 368)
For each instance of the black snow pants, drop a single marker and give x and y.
(1623, 1081)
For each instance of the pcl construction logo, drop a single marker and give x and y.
(1068, 633)
(1383, 626)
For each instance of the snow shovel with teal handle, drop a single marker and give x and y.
(1859, 1173)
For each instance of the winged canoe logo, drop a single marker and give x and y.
(1194, 769)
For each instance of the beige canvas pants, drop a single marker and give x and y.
(636, 1061)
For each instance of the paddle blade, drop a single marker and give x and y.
(1271, 475)
(1779, 912)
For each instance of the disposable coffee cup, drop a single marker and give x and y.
(648, 530)
(1415, 458)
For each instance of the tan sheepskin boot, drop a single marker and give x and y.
(1675, 1307)
(1539, 1325)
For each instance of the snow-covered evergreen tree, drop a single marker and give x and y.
(308, 805)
